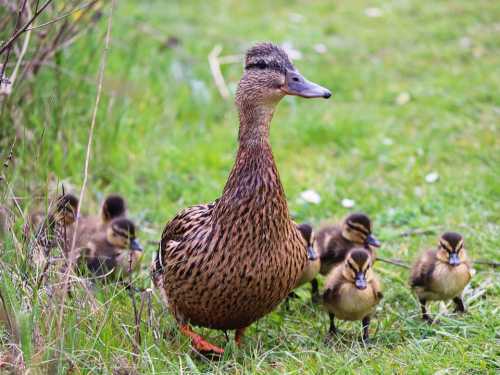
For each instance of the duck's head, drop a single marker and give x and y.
(451, 249)
(121, 234)
(113, 207)
(66, 208)
(269, 76)
(357, 228)
(358, 267)
(307, 233)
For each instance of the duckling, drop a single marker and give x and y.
(352, 290)
(226, 264)
(313, 266)
(113, 252)
(442, 274)
(113, 207)
(333, 242)
(52, 231)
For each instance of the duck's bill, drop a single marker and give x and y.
(296, 84)
(453, 259)
(372, 241)
(311, 254)
(360, 281)
(135, 245)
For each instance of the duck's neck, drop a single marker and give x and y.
(254, 180)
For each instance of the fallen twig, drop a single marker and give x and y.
(395, 262)
(487, 263)
(417, 232)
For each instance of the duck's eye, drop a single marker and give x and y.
(261, 64)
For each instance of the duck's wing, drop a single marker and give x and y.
(334, 247)
(423, 269)
(178, 228)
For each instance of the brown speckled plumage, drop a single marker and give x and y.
(226, 264)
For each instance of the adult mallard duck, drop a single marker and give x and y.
(226, 264)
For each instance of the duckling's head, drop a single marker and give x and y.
(66, 208)
(269, 76)
(358, 267)
(307, 233)
(357, 228)
(114, 206)
(121, 234)
(451, 249)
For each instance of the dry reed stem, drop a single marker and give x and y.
(7, 90)
(16, 35)
(213, 61)
(72, 252)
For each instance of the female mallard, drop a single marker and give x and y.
(226, 264)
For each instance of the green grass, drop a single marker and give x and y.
(165, 139)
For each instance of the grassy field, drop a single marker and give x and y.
(415, 88)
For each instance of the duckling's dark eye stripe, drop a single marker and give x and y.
(351, 266)
(445, 245)
(121, 232)
(358, 227)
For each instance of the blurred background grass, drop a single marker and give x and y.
(415, 88)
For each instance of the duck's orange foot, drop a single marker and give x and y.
(199, 343)
(238, 336)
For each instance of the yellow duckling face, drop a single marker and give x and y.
(270, 75)
(357, 228)
(451, 249)
(66, 208)
(357, 268)
(121, 234)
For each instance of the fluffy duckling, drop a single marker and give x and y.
(52, 231)
(114, 250)
(352, 290)
(333, 242)
(442, 274)
(113, 207)
(313, 266)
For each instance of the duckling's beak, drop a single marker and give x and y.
(372, 241)
(453, 259)
(311, 253)
(360, 280)
(296, 84)
(135, 245)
